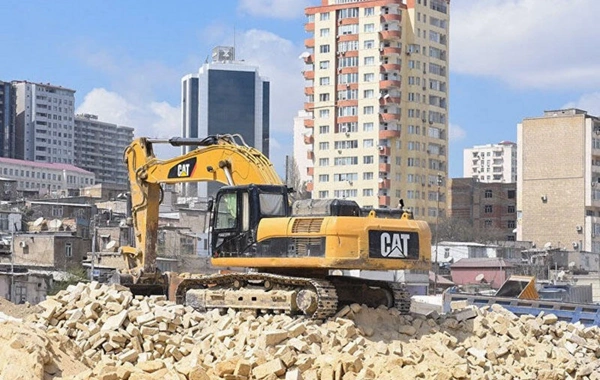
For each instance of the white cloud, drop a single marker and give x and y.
(527, 43)
(151, 119)
(456, 133)
(587, 102)
(285, 9)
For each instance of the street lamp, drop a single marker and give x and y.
(437, 222)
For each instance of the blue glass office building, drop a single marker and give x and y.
(225, 96)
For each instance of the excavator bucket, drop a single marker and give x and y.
(522, 287)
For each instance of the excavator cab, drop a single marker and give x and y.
(237, 211)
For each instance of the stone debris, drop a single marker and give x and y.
(94, 331)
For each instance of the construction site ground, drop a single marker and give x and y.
(95, 331)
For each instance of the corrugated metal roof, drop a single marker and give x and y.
(486, 262)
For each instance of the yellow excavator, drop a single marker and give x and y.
(294, 255)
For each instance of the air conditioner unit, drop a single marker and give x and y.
(22, 244)
(579, 228)
(381, 148)
(344, 129)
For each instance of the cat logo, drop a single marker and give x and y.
(394, 245)
(184, 169)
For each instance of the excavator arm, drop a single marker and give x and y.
(217, 158)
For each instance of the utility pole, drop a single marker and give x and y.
(12, 267)
(93, 224)
(437, 239)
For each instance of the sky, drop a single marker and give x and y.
(508, 60)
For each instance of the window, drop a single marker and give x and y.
(323, 114)
(488, 194)
(369, 44)
(324, 81)
(323, 129)
(68, 250)
(368, 160)
(367, 176)
(367, 127)
(324, 16)
(324, 178)
(57, 211)
(343, 161)
(511, 194)
(369, 61)
(324, 145)
(324, 194)
(367, 192)
(368, 94)
(511, 224)
(324, 32)
(511, 209)
(324, 48)
(487, 223)
(369, 77)
(369, 28)
(369, 11)
(323, 161)
(368, 110)
(487, 209)
(323, 97)
(368, 143)
(323, 65)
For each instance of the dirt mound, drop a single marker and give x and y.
(18, 311)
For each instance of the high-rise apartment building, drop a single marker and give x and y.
(44, 122)
(491, 162)
(99, 148)
(226, 96)
(377, 87)
(7, 120)
(302, 157)
(558, 180)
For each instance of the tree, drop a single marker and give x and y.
(294, 180)
(463, 230)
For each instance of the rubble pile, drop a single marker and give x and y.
(118, 336)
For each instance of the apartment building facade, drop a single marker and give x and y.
(99, 148)
(491, 162)
(226, 96)
(7, 120)
(377, 87)
(490, 208)
(558, 180)
(40, 178)
(44, 129)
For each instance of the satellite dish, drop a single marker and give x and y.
(38, 221)
(548, 245)
(111, 244)
(55, 223)
(479, 277)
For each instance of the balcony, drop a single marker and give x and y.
(385, 168)
(347, 37)
(310, 186)
(384, 184)
(384, 150)
(309, 123)
(348, 21)
(388, 133)
(310, 171)
(386, 84)
(309, 27)
(384, 200)
(309, 75)
(347, 119)
(309, 139)
(388, 67)
(389, 116)
(390, 18)
(309, 106)
(386, 100)
(309, 90)
(309, 43)
(347, 103)
(309, 59)
(347, 86)
(387, 51)
(348, 70)
(390, 34)
(310, 155)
